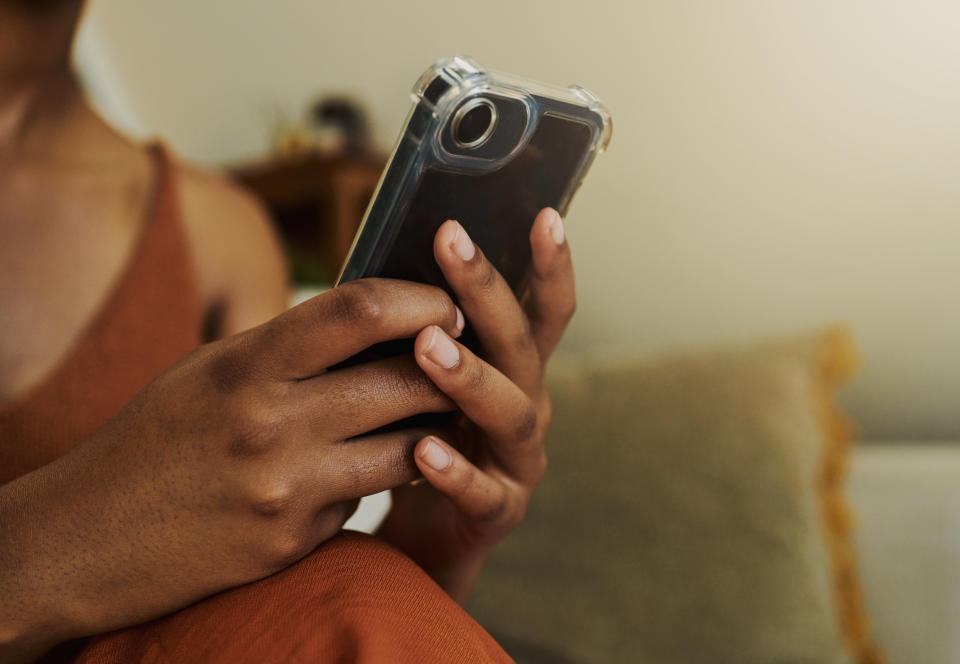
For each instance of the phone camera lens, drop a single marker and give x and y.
(474, 122)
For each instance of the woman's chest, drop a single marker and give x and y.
(62, 250)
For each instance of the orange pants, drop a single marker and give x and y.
(354, 599)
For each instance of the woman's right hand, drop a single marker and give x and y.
(230, 466)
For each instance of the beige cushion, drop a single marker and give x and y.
(680, 520)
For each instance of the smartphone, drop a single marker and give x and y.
(487, 149)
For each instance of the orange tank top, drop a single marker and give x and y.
(151, 318)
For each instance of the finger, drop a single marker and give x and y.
(368, 396)
(341, 322)
(477, 494)
(489, 304)
(551, 298)
(489, 399)
(370, 464)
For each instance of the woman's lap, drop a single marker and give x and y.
(354, 599)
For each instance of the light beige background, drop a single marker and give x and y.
(775, 165)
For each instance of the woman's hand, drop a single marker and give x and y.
(228, 467)
(479, 482)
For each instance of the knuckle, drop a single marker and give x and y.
(285, 547)
(408, 384)
(567, 309)
(447, 306)
(358, 303)
(439, 297)
(409, 381)
(256, 431)
(227, 369)
(496, 511)
(362, 472)
(274, 498)
(523, 342)
(527, 424)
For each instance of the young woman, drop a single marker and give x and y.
(168, 432)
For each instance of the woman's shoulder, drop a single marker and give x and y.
(239, 262)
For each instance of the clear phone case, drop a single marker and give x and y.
(542, 140)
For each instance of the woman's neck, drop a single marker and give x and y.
(38, 91)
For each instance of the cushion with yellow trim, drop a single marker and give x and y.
(693, 512)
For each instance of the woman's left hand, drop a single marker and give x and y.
(480, 479)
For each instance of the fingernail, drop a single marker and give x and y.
(441, 350)
(556, 228)
(460, 321)
(435, 456)
(462, 245)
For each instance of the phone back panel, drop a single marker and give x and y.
(543, 142)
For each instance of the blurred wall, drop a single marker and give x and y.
(775, 165)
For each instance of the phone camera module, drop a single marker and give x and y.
(473, 123)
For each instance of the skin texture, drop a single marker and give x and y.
(479, 495)
(229, 467)
(247, 454)
(74, 198)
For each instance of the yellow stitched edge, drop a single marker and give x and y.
(837, 362)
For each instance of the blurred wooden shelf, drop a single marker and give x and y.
(317, 201)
